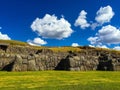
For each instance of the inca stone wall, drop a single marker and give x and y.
(19, 58)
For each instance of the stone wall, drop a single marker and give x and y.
(27, 59)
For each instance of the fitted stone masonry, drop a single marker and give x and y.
(19, 58)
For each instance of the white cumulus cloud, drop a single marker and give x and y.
(37, 42)
(81, 20)
(75, 44)
(109, 34)
(91, 45)
(116, 48)
(52, 27)
(102, 46)
(106, 35)
(93, 40)
(4, 36)
(104, 14)
(94, 25)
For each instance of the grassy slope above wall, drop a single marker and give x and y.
(13, 42)
(57, 49)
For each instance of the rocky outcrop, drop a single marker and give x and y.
(19, 58)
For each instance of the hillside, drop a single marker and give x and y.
(19, 56)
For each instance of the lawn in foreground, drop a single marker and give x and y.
(60, 80)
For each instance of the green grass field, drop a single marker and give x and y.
(60, 80)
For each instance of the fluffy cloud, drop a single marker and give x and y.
(4, 36)
(117, 48)
(94, 25)
(81, 20)
(91, 45)
(102, 46)
(93, 40)
(104, 14)
(75, 44)
(37, 42)
(52, 27)
(107, 35)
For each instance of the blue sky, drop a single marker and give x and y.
(61, 22)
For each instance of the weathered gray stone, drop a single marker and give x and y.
(20, 58)
(32, 65)
(24, 61)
